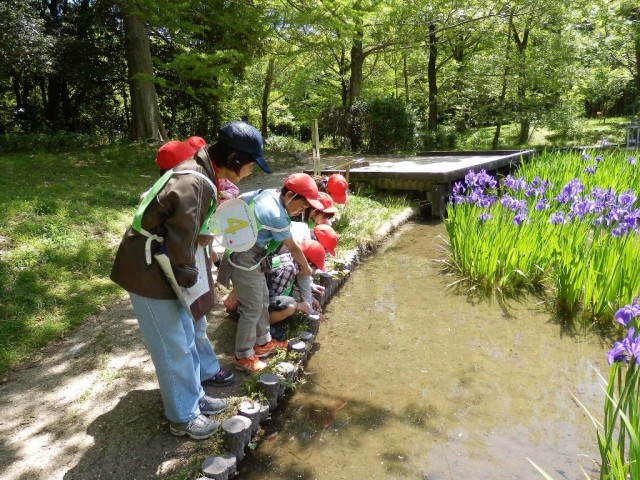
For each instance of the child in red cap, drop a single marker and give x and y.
(337, 187)
(282, 304)
(273, 210)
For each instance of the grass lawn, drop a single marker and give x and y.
(63, 214)
(589, 132)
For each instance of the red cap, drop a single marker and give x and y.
(337, 187)
(303, 185)
(327, 202)
(172, 153)
(327, 237)
(314, 253)
(196, 142)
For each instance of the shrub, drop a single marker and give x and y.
(442, 139)
(389, 125)
(49, 142)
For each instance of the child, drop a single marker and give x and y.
(281, 282)
(172, 220)
(337, 187)
(273, 210)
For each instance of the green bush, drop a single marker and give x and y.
(61, 141)
(277, 143)
(445, 138)
(389, 126)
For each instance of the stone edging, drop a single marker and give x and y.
(240, 428)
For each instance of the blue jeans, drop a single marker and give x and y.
(180, 351)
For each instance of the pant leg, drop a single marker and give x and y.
(209, 364)
(304, 285)
(251, 290)
(171, 343)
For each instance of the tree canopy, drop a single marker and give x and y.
(159, 69)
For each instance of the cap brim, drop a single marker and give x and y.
(262, 163)
(330, 209)
(321, 267)
(339, 198)
(317, 204)
(332, 252)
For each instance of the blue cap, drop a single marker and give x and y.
(243, 137)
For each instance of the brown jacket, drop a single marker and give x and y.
(177, 214)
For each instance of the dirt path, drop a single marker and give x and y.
(88, 406)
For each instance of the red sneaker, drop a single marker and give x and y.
(268, 348)
(252, 364)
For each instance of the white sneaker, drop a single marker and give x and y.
(199, 428)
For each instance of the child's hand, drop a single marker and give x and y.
(204, 240)
(317, 289)
(316, 305)
(303, 307)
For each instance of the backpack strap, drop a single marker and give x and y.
(136, 225)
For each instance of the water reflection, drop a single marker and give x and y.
(414, 381)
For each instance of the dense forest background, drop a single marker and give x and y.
(379, 75)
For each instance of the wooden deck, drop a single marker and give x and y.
(432, 173)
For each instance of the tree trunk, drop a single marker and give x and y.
(146, 123)
(432, 121)
(525, 122)
(638, 67)
(405, 73)
(525, 127)
(343, 68)
(357, 62)
(503, 92)
(268, 82)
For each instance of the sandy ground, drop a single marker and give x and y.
(88, 405)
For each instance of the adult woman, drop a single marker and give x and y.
(171, 223)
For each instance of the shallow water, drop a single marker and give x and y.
(414, 381)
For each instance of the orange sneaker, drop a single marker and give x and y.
(268, 348)
(252, 364)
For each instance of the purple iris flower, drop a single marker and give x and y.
(541, 204)
(486, 201)
(605, 142)
(624, 315)
(590, 169)
(585, 156)
(617, 231)
(632, 344)
(599, 158)
(627, 198)
(557, 218)
(457, 199)
(617, 354)
(458, 188)
(520, 218)
(483, 217)
(514, 183)
(631, 160)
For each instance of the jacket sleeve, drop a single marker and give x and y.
(188, 202)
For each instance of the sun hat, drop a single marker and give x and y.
(245, 138)
(314, 252)
(303, 185)
(172, 153)
(327, 237)
(337, 187)
(327, 202)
